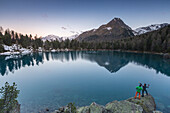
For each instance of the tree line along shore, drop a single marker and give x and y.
(154, 42)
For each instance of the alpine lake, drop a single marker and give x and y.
(54, 79)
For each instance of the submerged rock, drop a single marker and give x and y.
(166, 55)
(157, 112)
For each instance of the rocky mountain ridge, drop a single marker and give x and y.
(54, 37)
(153, 27)
(51, 38)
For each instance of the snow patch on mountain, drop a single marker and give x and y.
(94, 30)
(108, 28)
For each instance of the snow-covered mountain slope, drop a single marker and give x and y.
(51, 38)
(142, 30)
(54, 37)
(71, 37)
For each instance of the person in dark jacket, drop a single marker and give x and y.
(144, 89)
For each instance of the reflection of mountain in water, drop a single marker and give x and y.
(112, 61)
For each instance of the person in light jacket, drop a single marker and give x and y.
(138, 90)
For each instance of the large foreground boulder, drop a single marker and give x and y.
(123, 107)
(147, 103)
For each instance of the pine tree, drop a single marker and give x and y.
(7, 38)
(9, 95)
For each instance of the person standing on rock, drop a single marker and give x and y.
(138, 90)
(144, 89)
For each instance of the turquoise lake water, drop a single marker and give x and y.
(51, 80)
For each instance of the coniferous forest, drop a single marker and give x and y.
(155, 41)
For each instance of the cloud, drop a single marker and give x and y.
(69, 30)
(72, 31)
(63, 28)
(44, 16)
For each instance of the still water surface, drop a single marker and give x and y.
(51, 80)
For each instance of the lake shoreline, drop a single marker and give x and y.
(144, 105)
(129, 51)
(8, 53)
(166, 55)
(16, 50)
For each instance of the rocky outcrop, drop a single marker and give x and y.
(123, 107)
(147, 103)
(144, 105)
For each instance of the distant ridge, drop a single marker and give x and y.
(51, 38)
(153, 27)
(54, 37)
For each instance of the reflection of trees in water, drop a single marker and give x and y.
(150, 61)
(66, 56)
(15, 64)
(112, 61)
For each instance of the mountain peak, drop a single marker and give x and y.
(117, 22)
(117, 19)
(116, 28)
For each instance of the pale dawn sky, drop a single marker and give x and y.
(65, 17)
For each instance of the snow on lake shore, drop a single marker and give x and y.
(15, 50)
